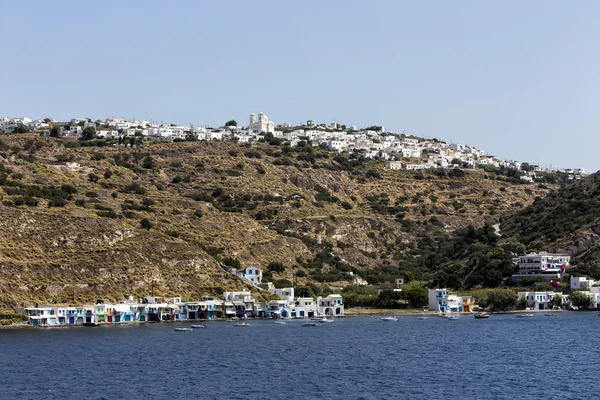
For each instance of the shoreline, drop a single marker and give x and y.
(364, 312)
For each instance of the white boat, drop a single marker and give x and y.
(389, 319)
(524, 315)
(198, 326)
(452, 317)
(183, 329)
(422, 317)
(444, 315)
(322, 320)
(551, 315)
(280, 322)
(241, 324)
(310, 324)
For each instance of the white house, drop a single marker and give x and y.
(75, 130)
(253, 274)
(541, 265)
(579, 282)
(540, 300)
(286, 294)
(335, 145)
(442, 301)
(330, 305)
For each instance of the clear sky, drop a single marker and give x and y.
(520, 79)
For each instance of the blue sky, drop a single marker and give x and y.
(519, 79)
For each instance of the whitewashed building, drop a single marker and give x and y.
(262, 124)
(580, 282)
(541, 265)
(441, 300)
(330, 305)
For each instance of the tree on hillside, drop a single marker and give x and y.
(231, 122)
(88, 133)
(21, 128)
(55, 131)
(146, 224)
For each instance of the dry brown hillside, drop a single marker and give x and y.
(75, 233)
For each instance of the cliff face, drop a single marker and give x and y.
(80, 223)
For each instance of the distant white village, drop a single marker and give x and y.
(400, 151)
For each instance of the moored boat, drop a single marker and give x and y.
(481, 316)
(452, 317)
(524, 315)
(422, 317)
(183, 329)
(551, 314)
(389, 319)
(199, 326)
(280, 322)
(310, 324)
(241, 324)
(323, 320)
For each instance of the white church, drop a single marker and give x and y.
(261, 125)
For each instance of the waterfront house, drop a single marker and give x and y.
(192, 310)
(540, 300)
(141, 312)
(90, 316)
(276, 309)
(41, 315)
(61, 315)
(542, 266)
(182, 311)
(72, 315)
(243, 302)
(304, 307)
(208, 308)
(330, 305)
(100, 313)
(442, 301)
(124, 312)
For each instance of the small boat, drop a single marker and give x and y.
(524, 315)
(322, 320)
(199, 326)
(389, 319)
(241, 324)
(551, 314)
(280, 322)
(422, 317)
(183, 329)
(452, 317)
(310, 324)
(444, 315)
(481, 316)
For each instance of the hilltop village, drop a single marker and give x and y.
(401, 151)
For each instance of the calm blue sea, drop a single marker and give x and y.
(353, 358)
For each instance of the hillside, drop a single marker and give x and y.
(165, 218)
(566, 220)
